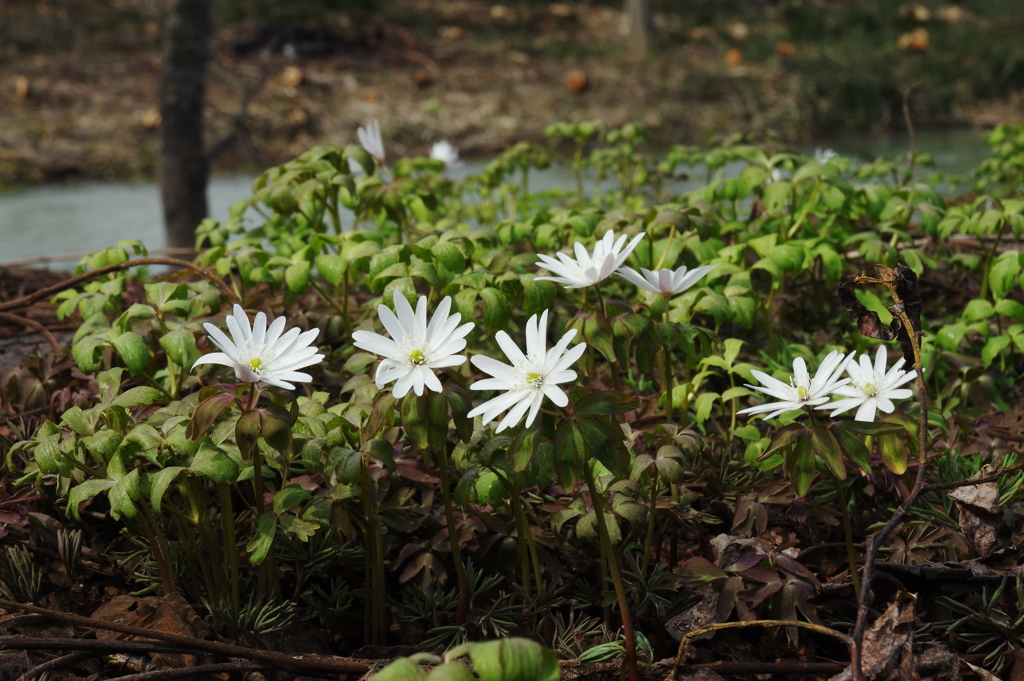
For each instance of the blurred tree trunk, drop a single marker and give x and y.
(641, 26)
(183, 163)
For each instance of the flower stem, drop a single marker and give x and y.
(651, 512)
(851, 552)
(227, 516)
(666, 371)
(453, 540)
(614, 573)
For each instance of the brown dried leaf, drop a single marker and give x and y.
(168, 614)
(868, 322)
(884, 641)
(980, 514)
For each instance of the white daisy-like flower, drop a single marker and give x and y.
(665, 282)
(589, 268)
(872, 387)
(802, 391)
(415, 348)
(262, 354)
(824, 155)
(447, 153)
(531, 377)
(371, 140)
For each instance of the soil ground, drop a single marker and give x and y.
(79, 80)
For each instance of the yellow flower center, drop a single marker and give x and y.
(255, 363)
(533, 378)
(417, 357)
(870, 389)
(802, 392)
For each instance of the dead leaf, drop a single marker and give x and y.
(885, 640)
(168, 614)
(980, 514)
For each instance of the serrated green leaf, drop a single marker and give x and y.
(133, 351)
(160, 482)
(259, 546)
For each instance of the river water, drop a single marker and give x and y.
(59, 220)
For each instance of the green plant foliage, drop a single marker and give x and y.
(323, 503)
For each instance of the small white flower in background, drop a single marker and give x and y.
(871, 387)
(775, 175)
(665, 282)
(371, 140)
(261, 354)
(415, 348)
(824, 155)
(802, 390)
(447, 153)
(531, 377)
(589, 268)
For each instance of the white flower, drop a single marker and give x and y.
(802, 389)
(824, 155)
(872, 388)
(415, 348)
(262, 354)
(531, 376)
(665, 282)
(447, 153)
(371, 140)
(589, 268)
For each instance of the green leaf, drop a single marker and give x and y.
(160, 482)
(289, 497)
(537, 295)
(259, 546)
(894, 452)
(497, 308)
(852, 446)
(1004, 274)
(180, 346)
(74, 418)
(514, 659)
(414, 419)
(977, 310)
(133, 351)
(798, 462)
(524, 446)
(825, 447)
(331, 267)
(84, 491)
(138, 396)
(950, 335)
(296, 276)
(448, 671)
(703, 404)
(123, 495)
(605, 444)
(449, 255)
(606, 403)
(86, 354)
(213, 463)
(1010, 308)
(212, 403)
(568, 454)
(993, 346)
(402, 669)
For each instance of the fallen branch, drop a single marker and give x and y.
(74, 281)
(35, 326)
(305, 663)
(688, 636)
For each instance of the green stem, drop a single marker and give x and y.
(453, 540)
(614, 573)
(227, 517)
(521, 529)
(987, 268)
(851, 552)
(664, 251)
(665, 360)
(159, 547)
(651, 513)
(684, 409)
